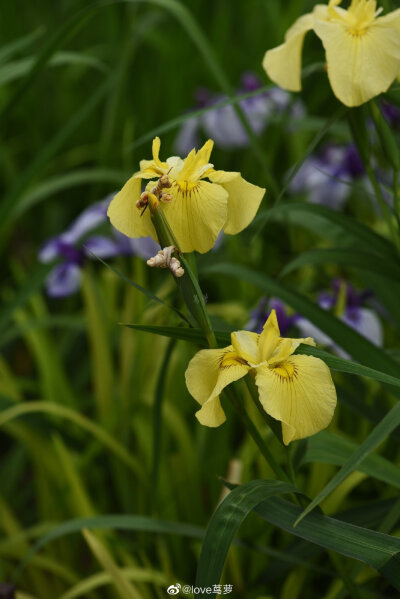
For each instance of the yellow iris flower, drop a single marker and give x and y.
(362, 50)
(196, 210)
(296, 389)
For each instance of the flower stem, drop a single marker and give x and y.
(188, 284)
(280, 473)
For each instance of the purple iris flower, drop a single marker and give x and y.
(354, 313)
(260, 315)
(327, 177)
(74, 246)
(391, 113)
(223, 125)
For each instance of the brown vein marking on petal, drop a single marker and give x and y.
(231, 358)
(286, 371)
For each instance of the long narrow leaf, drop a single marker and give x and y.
(355, 344)
(353, 259)
(387, 425)
(226, 522)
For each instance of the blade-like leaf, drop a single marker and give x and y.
(24, 293)
(143, 290)
(111, 522)
(353, 259)
(378, 550)
(329, 448)
(223, 337)
(355, 344)
(226, 522)
(373, 548)
(388, 424)
(307, 215)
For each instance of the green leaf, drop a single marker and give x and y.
(350, 258)
(329, 448)
(387, 425)
(19, 68)
(20, 44)
(352, 342)
(111, 522)
(24, 293)
(223, 337)
(66, 413)
(378, 550)
(61, 182)
(12, 198)
(123, 587)
(375, 549)
(143, 290)
(309, 215)
(225, 523)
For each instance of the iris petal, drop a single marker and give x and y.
(196, 216)
(283, 63)
(360, 66)
(243, 202)
(300, 393)
(125, 216)
(206, 376)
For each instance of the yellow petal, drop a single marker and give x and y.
(286, 347)
(360, 66)
(243, 202)
(245, 344)
(153, 168)
(196, 163)
(300, 393)
(196, 217)
(211, 413)
(269, 337)
(206, 376)
(124, 215)
(283, 63)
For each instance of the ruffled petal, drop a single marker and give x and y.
(243, 202)
(197, 216)
(207, 375)
(300, 393)
(245, 344)
(125, 216)
(283, 63)
(360, 66)
(196, 163)
(286, 347)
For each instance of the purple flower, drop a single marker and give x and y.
(327, 178)
(260, 315)
(391, 113)
(224, 126)
(350, 304)
(73, 247)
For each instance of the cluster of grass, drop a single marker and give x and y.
(108, 482)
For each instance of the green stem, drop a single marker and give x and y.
(273, 424)
(396, 196)
(382, 202)
(188, 284)
(280, 473)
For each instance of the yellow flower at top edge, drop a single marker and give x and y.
(362, 50)
(296, 389)
(201, 201)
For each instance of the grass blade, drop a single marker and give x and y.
(355, 344)
(226, 522)
(386, 426)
